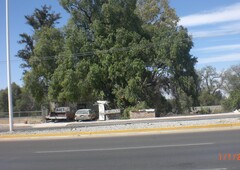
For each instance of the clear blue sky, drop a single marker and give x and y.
(214, 25)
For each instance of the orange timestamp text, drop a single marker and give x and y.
(229, 157)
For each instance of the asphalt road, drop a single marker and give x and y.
(181, 151)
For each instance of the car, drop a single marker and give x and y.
(85, 114)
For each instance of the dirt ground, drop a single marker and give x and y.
(25, 120)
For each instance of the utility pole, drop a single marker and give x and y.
(10, 108)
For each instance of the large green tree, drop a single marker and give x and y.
(41, 49)
(173, 66)
(127, 52)
(114, 52)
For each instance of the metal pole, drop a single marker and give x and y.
(10, 110)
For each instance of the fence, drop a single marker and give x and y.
(211, 109)
(23, 114)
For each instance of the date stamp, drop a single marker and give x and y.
(229, 156)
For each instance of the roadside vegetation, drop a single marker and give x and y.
(131, 53)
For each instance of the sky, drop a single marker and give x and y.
(213, 24)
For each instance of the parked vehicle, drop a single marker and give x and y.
(85, 114)
(61, 113)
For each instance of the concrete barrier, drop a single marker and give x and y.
(146, 113)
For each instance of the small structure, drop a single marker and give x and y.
(145, 113)
(107, 114)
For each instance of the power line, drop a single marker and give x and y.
(83, 54)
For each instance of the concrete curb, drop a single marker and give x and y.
(119, 132)
(43, 125)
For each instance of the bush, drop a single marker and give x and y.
(205, 111)
(233, 102)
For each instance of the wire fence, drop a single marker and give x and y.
(23, 114)
(208, 109)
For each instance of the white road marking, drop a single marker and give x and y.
(213, 169)
(125, 148)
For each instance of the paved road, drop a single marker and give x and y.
(185, 151)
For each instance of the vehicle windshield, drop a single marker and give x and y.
(83, 111)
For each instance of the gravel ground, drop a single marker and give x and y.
(127, 126)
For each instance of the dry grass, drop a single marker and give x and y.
(25, 120)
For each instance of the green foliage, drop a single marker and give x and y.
(16, 96)
(126, 52)
(39, 19)
(207, 99)
(210, 86)
(26, 102)
(26, 53)
(21, 100)
(4, 100)
(215, 86)
(233, 102)
(186, 102)
(211, 80)
(156, 11)
(232, 86)
(42, 17)
(232, 78)
(40, 51)
(204, 111)
(49, 43)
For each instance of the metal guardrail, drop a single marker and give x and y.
(22, 114)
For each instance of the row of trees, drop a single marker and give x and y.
(215, 88)
(22, 100)
(220, 87)
(131, 53)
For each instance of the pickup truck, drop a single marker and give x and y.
(61, 113)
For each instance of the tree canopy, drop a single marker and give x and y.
(211, 86)
(232, 86)
(22, 99)
(127, 52)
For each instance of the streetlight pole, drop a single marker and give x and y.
(10, 110)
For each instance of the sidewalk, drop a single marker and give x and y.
(135, 127)
(63, 124)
